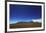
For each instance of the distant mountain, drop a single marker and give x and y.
(26, 22)
(33, 21)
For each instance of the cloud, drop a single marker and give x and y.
(37, 20)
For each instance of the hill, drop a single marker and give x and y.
(30, 24)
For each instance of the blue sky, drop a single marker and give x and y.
(24, 12)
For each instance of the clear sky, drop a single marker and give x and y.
(24, 12)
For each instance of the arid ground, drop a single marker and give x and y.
(25, 25)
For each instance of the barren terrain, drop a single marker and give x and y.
(25, 25)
